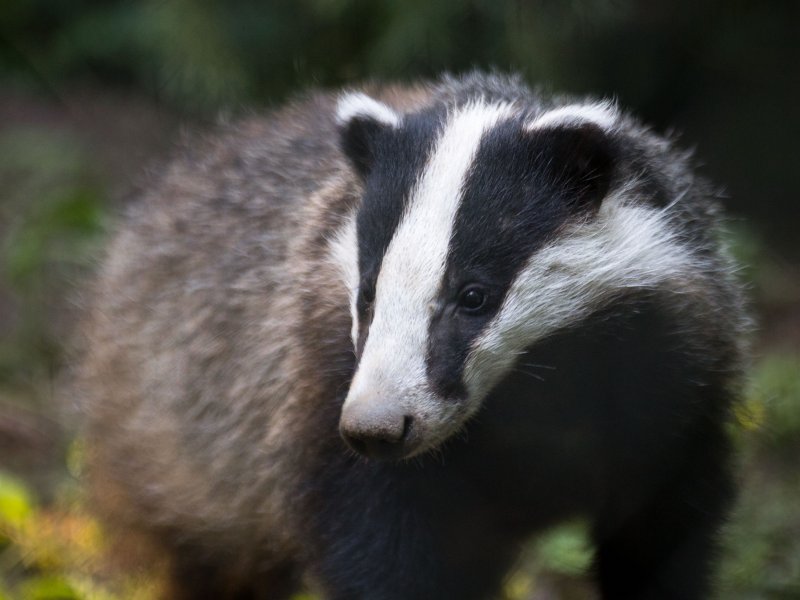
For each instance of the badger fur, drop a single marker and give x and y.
(372, 342)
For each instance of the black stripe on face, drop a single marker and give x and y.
(400, 156)
(523, 187)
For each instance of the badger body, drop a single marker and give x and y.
(374, 341)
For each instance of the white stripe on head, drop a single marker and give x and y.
(625, 247)
(343, 253)
(359, 105)
(603, 114)
(393, 361)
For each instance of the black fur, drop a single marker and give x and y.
(618, 420)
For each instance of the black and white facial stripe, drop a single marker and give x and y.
(480, 232)
(526, 183)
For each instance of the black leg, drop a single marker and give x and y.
(409, 544)
(195, 580)
(664, 548)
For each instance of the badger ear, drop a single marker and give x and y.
(361, 122)
(576, 146)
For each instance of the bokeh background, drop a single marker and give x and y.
(94, 92)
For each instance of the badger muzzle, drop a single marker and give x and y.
(378, 429)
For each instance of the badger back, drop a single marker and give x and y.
(488, 224)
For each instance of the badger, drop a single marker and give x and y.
(371, 343)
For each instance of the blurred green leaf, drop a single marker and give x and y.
(51, 220)
(566, 549)
(16, 503)
(775, 385)
(57, 232)
(48, 587)
(76, 457)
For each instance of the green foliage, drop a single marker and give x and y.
(51, 215)
(563, 554)
(53, 208)
(47, 588)
(566, 549)
(16, 505)
(762, 547)
(59, 553)
(196, 54)
(776, 386)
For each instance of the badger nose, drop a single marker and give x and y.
(376, 431)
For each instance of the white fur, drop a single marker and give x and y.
(603, 114)
(392, 367)
(343, 253)
(626, 246)
(358, 104)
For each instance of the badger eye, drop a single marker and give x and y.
(472, 299)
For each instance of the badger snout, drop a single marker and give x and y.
(377, 430)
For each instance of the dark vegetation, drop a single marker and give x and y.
(93, 92)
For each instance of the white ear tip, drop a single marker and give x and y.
(603, 114)
(358, 104)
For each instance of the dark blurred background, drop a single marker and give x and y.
(94, 92)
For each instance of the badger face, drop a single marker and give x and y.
(482, 229)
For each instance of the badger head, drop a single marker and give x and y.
(483, 228)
